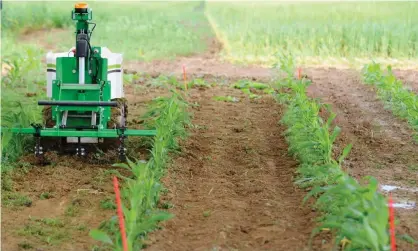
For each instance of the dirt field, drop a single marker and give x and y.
(231, 187)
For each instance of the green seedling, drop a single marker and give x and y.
(25, 245)
(72, 210)
(206, 213)
(48, 230)
(107, 204)
(141, 190)
(226, 99)
(357, 214)
(45, 196)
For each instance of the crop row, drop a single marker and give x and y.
(140, 192)
(401, 101)
(357, 214)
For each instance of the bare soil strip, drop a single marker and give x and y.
(383, 146)
(231, 186)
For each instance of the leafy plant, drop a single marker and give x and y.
(401, 101)
(248, 88)
(226, 99)
(140, 193)
(357, 213)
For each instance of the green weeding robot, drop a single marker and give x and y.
(86, 98)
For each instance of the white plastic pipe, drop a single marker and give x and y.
(81, 70)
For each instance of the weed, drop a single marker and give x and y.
(167, 205)
(25, 245)
(49, 231)
(413, 167)
(379, 166)
(107, 204)
(81, 227)
(15, 199)
(51, 222)
(226, 99)
(206, 213)
(72, 210)
(6, 182)
(407, 238)
(45, 195)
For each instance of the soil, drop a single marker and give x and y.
(231, 187)
(75, 191)
(409, 78)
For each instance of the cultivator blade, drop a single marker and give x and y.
(78, 137)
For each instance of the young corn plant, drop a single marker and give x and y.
(356, 213)
(401, 101)
(140, 192)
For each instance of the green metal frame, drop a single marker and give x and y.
(104, 133)
(66, 87)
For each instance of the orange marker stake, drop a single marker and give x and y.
(120, 214)
(184, 77)
(392, 224)
(299, 73)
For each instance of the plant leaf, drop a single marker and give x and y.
(100, 236)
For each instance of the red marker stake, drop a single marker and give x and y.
(184, 77)
(120, 214)
(392, 224)
(299, 73)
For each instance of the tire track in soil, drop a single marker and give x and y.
(382, 143)
(231, 186)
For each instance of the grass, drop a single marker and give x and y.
(50, 231)
(139, 30)
(316, 32)
(15, 199)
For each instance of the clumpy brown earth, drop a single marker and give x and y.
(67, 194)
(409, 79)
(383, 146)
(231, 187)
